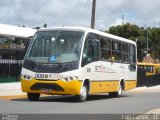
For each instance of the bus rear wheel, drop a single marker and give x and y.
(33, 96)
(83, 94)
(116, 94)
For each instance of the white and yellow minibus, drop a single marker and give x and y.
(78, 61)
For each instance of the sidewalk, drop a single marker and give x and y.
(147, 89)
(11, 89)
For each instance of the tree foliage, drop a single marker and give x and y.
(127, 31)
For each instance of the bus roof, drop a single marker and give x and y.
(87, 30)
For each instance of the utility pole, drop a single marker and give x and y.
(147, 40)
(147, 37)
(122, 19)
(93, 14)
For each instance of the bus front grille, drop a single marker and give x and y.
(50, 86)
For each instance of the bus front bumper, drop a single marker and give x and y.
(57, 87)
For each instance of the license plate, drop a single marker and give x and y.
(46, 90)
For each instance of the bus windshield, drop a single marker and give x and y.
(55, 46)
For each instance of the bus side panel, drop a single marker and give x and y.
(105, 76)
(104, 86)
(130, 84)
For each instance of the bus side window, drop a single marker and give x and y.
(124, 53)
(149, 69)
(105, 48)
(132, 54)
(116, 51)
(91, 49)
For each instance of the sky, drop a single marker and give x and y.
(35, 13)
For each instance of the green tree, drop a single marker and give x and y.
(128, 31)
(154, 42)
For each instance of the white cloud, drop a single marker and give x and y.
(78, 12)
(118, 22)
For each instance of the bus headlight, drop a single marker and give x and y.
(67, 79)
(26, 77)
(70, 78)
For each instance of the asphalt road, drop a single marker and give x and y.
(130, 102)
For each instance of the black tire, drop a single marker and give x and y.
(33, 96)
(116, 94)
(83, 95)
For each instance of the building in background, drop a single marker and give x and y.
(14, 36)
(14, 41)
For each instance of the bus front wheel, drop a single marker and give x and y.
(33, 96)
(83, 94)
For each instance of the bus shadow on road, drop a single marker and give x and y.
(70, 98)
(103, 97)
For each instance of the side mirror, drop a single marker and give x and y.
(85, 59)
(111, 59)
(84, 56)
(96, 40)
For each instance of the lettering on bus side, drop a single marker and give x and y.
(99, 68)
(122, 67)
(88, 69)
(102, 68)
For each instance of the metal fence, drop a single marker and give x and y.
(10, 64)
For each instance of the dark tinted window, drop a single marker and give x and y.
(91, 49)
(106, 45)
(132, 54)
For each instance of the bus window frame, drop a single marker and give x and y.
(93, 35)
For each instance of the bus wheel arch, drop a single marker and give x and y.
(122, 83)
(87, 83)
(121, 87)
(82, 97)
(118, 93)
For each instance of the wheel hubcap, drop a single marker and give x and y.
(120, 90)
(83, 92)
